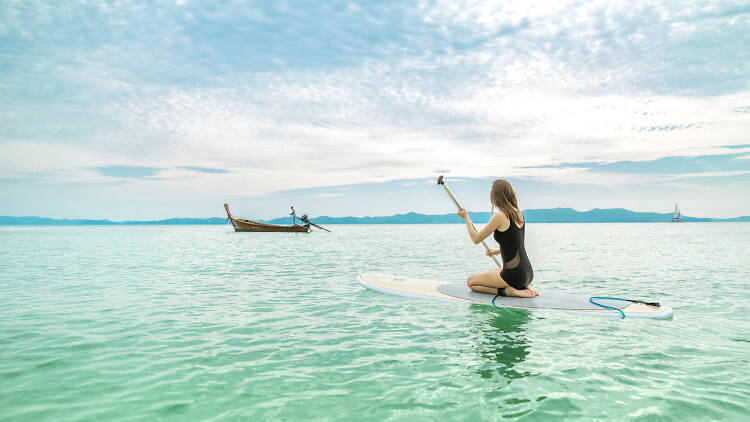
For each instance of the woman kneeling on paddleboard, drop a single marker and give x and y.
(508, 227)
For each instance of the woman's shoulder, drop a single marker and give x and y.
(499, 214)
(503, 220)
(499, 218)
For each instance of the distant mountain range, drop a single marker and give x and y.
(554, 215)
(40, 221)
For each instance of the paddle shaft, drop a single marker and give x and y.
(453, 198)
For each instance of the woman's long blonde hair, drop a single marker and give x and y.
(503, 197)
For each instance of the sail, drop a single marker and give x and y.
(676, 215)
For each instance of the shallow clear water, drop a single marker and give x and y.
(198, 323)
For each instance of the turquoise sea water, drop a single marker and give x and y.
(198, 323)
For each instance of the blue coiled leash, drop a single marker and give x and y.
(500, 292)
(591, 299)
(493, 302)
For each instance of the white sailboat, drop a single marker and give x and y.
(676, 217)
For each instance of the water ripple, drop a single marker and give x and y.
(197, 323)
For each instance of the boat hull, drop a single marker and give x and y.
(245, 225)
(242, 225)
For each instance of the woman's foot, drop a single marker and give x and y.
(536, 293)
(513, 292)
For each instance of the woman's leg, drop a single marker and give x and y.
(490, 281)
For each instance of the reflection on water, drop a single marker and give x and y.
(501, 341)
(190, 323)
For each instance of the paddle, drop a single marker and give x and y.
(453, 198)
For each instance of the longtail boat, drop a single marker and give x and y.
(245, 225)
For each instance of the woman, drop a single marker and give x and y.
(508, 227)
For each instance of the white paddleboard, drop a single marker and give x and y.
(459, 292)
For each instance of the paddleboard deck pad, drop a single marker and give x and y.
(459, 292)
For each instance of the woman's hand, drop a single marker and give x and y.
(462, 213)
(492, 252)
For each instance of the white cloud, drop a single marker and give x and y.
(479, 88)
(326, 195)
(708, 174)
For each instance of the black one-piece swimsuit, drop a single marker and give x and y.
(517, 270)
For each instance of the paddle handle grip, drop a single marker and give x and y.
(453, 198)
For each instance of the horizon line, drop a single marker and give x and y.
(102, 220)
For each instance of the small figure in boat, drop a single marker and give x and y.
(507, 227)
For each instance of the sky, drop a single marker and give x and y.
(148, 110)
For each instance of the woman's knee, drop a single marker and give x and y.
(475, 289)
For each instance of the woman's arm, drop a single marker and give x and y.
(491, 226)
